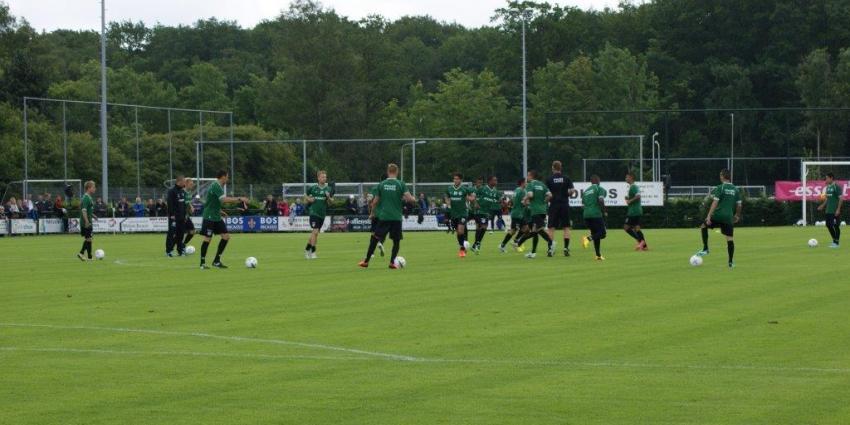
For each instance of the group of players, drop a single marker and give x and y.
(537, 210)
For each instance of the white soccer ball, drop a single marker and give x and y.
(813, 243)
(99, 254)
(400, 261)
(251, 263)
(466, 245)
(696, 261)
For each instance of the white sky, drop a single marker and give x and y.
(85, 14)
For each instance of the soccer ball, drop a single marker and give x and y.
(251, 263)
(99, 254)
(813, 243)
(696, 261)
(466, 245)
(189, 250)
(400, 261)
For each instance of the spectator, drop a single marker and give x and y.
(139, 208)
(197, 206)
(351, 205)
(2, 213)
(48, 205)
(299, 208)
(13, 210)
(27, 205)
(161, 208)
(62, 213)
(99, 206)
(270, 206)
(150, 208)
(283, 208)
(123, 209)
(363, 205)
(242, 207)
(41, 205)
(422, 204)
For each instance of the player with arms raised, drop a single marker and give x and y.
(593, 201)
(87, 220)
(457, 198)
(832, 206)
(724, 212)
(562, 189)
(388, 203)
(213, 223)
(318, 197)
(634, 213)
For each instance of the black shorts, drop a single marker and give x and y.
(538, 221)
(633, 221)
(832, 221)
(517, 223)
(85, 232)
(727, 229)
(559, 216)
(316, 222)
(391, 228)
(596, 226)
(375, 224)
(210, 228)
(458, 221)
(481, 219)
(189, 226)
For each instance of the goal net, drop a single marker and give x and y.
(813, 174)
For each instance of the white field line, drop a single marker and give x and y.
(377, 356)
(212, 336)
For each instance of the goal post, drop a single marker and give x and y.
(804, 177)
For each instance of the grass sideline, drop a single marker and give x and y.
(491, 339)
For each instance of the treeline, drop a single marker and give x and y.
(311, 73)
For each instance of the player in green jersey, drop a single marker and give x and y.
(318, 197)
(388, 204)
(87, 220)
(373, 213)
(213, 223)
(724, 212)
(487, 199)
(634, 213)
(537, 196)
(594, 212)
(832, 206)
(519, 227)
(458, 197)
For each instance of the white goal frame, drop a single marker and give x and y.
(804, 174)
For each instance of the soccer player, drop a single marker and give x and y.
(213, 224)
(832, 204)
(457, 198)
(318, 197)
(593, 201)
(87, 220)
(562, 189)
(188, 226)
(487, 200)
(536, 197)
(634, 213)
(518, 225)
(373, 214)
(176, 217)
(388, 204)
(724, 212)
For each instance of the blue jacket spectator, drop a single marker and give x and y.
(139, 208)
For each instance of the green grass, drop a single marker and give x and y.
(642, 338)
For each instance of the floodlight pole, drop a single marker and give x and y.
(524, 104)
(104, 159)
(641, 158)
(732, 151)
(170, 150)
(304, 165)
(26, 149)
(64, 143)
(138, 158)
(654, 165)
(232, 161)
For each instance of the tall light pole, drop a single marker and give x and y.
(401, 165)
(524, 103)
(656, 164)
(732, 151)
(104, 159)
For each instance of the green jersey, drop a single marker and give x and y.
(390, 206)
(833, 198)
(87, 205)
(635, 208)
(319, 206)
(538, 200)
(518, 209)
(590, 201)
(187, 198)
(728, 197)
(457, 200)
(212, 206)
(488, 199)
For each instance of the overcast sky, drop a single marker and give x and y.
(85, 14)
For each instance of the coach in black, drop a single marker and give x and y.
(176, 217)
(559, 207)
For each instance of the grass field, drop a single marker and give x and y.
(642, 338)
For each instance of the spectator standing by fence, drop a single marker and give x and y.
(270, 206)
(139, 208)
(62, 213)
(123, 208)
(161, 208)
(283, 208)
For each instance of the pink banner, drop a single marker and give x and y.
(793, 191)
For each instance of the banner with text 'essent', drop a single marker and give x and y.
(793, 190)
